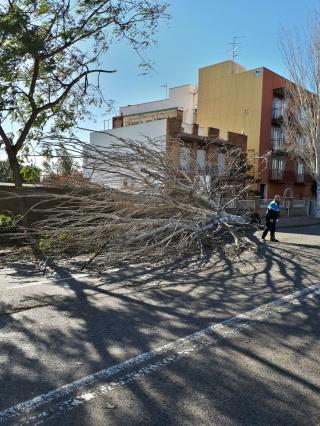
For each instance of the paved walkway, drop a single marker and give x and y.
(296, 221)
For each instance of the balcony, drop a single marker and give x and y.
(278, 144)
(277, 113)
(277, 174)
(278, 107)
(288, 177)
(300, 178)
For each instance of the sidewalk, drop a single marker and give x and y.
(294, 221)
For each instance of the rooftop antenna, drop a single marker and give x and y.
(165, 85)
(235, 48)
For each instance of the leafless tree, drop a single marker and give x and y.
(147, 208)
(302, 112)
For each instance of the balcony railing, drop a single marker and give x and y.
(300, 177)
(276, 174)
(288, 176)
(277, 113)
(278, 144)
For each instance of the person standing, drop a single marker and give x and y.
(272, 215)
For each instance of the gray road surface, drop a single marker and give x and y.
(59, 329)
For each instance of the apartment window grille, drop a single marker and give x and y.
(185, 158)
(302, 117)
(201, 159)
(278, 107)
(221, 163)
(277, 168)
(277, 137)
(300, 172)
(301, 140)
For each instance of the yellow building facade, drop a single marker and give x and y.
(230, 98)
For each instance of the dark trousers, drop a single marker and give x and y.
(270, 227)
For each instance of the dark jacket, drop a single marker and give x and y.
(273, 212)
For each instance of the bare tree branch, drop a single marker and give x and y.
(146, 208)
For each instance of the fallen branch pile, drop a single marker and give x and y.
(145, 207)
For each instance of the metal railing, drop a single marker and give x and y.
(278, 144)
(260, 205)
(300, 177)
(243, 205)
(287, 204)
(299, 203)
(278, 113)
(276, 174)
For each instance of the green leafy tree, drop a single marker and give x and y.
(29, 173)
(5, 172)
(62, 163)
(50, 52)
(66, 163)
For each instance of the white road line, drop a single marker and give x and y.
(48, 281)
(53, 280)
(38, 410)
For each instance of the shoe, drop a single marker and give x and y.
(274, 240)
(263, 239)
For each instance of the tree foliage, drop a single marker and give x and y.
(29, 173)
(50, 52)
(61, 164)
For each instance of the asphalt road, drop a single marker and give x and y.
(105, 339)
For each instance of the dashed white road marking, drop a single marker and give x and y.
(59, 401)
(50, 281)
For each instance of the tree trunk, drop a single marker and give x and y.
(17, 180)
(15, 167)
(317, 209)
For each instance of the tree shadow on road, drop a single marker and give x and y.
(132, 311)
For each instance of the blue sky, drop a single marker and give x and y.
(198, 35)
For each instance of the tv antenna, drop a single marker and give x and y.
(235, 45)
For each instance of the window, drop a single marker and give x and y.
(185, 157)
(277, 137)
(201, 160)
(300, 172)
(301, 140)
(278, 106)
(277, 168)
(221, 163)
(302, 117)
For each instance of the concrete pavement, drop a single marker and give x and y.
(297, 221)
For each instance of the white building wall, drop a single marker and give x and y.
(140, 132)
(184, 97)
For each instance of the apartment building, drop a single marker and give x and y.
(171, 122)
(181, 103)
(251, 102)
(231, 104)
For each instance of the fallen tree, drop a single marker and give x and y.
(140, 204)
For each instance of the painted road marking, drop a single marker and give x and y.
(59, 401)
(52, 281)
